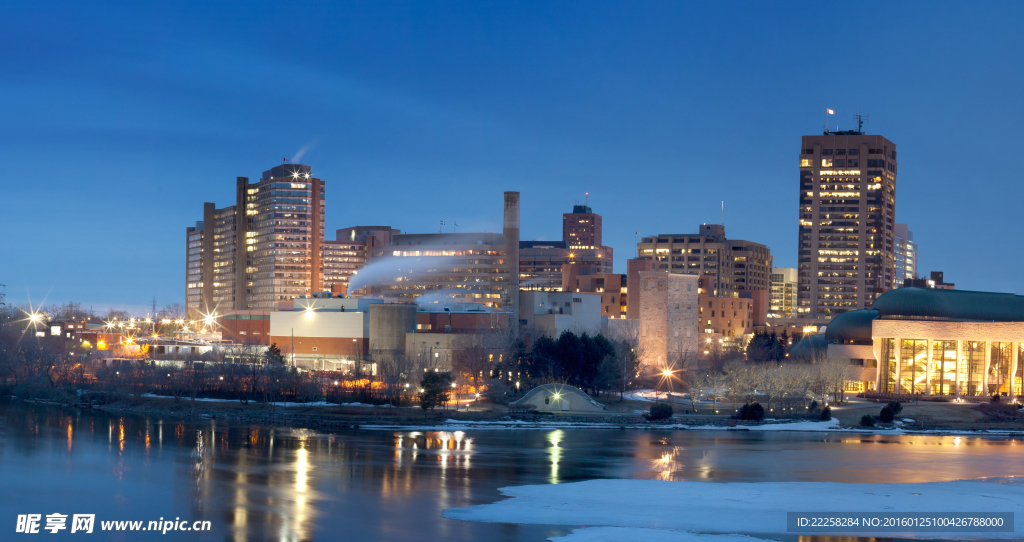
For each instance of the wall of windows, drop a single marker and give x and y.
(999, 368)
(887, 376)
(1018, 379)
(943, 368)
(972, 368)
(913, 366)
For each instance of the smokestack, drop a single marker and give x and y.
(510, 233)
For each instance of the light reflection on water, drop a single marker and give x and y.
(284, 484)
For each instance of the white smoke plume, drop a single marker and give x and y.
(392, 269)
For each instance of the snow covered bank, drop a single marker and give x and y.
(451, 425)
(279, 403)
(622, 534)
(735, 508)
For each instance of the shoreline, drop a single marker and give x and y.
(328, 418)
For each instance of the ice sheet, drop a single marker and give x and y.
(740, 508)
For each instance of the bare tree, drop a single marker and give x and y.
(717, 385)
(174, 311)
(770, 381)
(694, 381)
(739, 377)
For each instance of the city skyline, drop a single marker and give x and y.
(437, 131)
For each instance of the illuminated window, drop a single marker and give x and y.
(826, 162)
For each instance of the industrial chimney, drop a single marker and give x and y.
(510, 233)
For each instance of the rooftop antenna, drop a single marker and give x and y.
(586, 201)
(861, 119)
(723, 213)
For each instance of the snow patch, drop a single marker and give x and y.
(737, 508)
(635, 534)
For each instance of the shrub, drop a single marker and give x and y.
(896, 408)
(498, 392)
(814, 406)
(867, 421)
(752, 412)
(886, 415)
(659, 411)
(826, 414)
(995, 398)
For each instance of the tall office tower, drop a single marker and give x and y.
(736, 265)
(846, 238)
(581, 228)
(784, 290)
(541, 262)
(906, 255)
(280, 222)
(194, 301)
(210, 262)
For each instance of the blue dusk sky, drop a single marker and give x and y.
(121, 119)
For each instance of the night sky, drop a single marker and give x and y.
(120, 120)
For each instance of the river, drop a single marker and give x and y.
(277, 483)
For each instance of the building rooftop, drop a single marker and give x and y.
(851, 326)
(543, 244)
(961, 305)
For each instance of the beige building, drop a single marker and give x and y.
(264, 249)
(668, 317)
(932, 342)
(462, 267)
(847, 207)
(784, 292)
(351, 251)
(736, 265)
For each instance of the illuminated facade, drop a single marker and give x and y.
(905, 255)
(351, 250)
(933, 342)
(846, 222)
(949, 342)
(784, 291)
(194, 301)
(668, 317)
(464, 267)
(279, 222)
(581, 228)
(541, 262)
(735, 265)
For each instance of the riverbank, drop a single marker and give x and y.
(329, 418)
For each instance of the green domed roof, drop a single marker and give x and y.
(808, 347)
(851, 326)
(950, 305)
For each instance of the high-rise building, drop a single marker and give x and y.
(847, 208)
(735, 265)
(905, 255)
(541, 262)
(581, 228)
(281, 220)
(210, 261)
(784, 291)
(194, 267)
